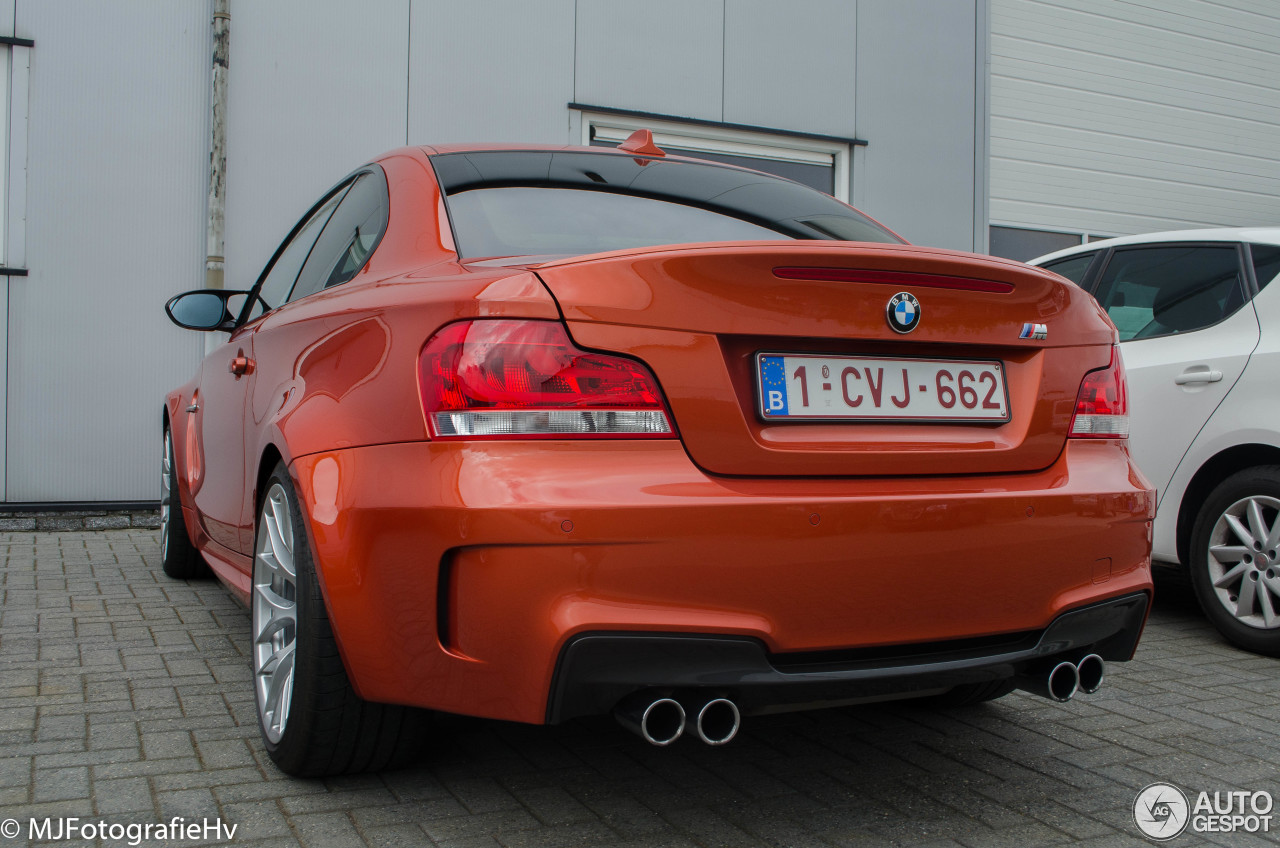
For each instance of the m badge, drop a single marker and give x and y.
(1034, 331)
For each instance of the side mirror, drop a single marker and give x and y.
(204, 309)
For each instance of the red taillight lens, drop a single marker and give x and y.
(499, 378)
(1102, 404)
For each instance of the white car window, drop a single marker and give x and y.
(1073, 267)
(1168, 289)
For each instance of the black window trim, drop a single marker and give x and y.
(1244, 273)
(341, 185)
(534, 181)
(1090, 273)
(1247, 246)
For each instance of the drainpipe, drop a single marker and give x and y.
(216, 228)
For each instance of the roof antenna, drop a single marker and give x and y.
(641, 141)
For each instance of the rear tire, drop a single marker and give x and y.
(312, 721)
(178, 557)
(1235, 559)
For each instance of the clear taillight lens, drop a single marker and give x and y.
(496, 378)
(1102, 404)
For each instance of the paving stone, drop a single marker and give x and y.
(125, 694)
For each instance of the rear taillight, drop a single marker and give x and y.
(1102, 405)
(497, 378)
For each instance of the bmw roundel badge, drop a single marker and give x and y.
(903, 312)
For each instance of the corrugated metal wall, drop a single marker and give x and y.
(118, 152)
(314, 90)
(118, 139)
(6, 28)
(1120, 117)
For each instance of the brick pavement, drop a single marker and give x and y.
(124, 696)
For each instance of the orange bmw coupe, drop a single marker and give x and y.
(534, 433)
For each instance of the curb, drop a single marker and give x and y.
(88, 520)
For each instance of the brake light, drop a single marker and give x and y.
(1102, 404)
(499, 378)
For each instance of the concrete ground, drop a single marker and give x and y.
(125, 699)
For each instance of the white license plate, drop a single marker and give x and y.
(864, 388)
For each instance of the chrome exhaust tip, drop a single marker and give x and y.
(1059, 683)
(718, 722)
(1092, 670)
(659, 721)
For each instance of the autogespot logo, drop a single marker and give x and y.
(1161, 811)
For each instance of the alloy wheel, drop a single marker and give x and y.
(1244, 566)
(275, 612)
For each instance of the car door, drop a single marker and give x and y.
(226, 380)
(1187, 328)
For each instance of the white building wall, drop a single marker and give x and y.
(1113, 117)
(119, 150)
(918, 100)
(314, 90)
(904, 75)
(117, 172)
(470, 80)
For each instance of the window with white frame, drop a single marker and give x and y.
(1023, 243)
(818, 161)
(15, 71)
(6, 74)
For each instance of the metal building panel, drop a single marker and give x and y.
(315, 89)
(917, 106)
(1115, 118)
(791, 65)
(17, 85)
(118, 159)
(490, 70)
(665, 56)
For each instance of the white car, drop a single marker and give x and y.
(1198, 313)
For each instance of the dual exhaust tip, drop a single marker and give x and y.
(1063, 680)
(661, 721)
(716, 721)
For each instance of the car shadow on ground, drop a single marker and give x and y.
(129, 695)
(1018, 770)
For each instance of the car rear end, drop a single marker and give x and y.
(767, 474)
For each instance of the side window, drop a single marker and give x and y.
(283, 272)
(1160, 291)
(348, 238)
(1073, 268)
(1266, 263)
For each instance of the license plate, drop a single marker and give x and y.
(864, 388)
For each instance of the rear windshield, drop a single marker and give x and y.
(522, 203)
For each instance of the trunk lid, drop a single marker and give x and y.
(699, 316)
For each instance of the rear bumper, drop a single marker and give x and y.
(458, 576)
(597, 670)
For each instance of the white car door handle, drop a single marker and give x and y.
(1198, 374)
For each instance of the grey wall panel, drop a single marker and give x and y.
(916, 105)
(117, 174)
(1115, 118)
(663, 56)
(490, 70)
(791, 65)
(314, 90)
